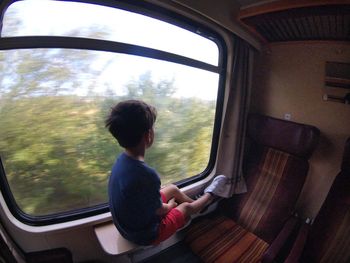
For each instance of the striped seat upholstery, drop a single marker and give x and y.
(274, 180)
(256, 203)
(329, 239)
(222, 240)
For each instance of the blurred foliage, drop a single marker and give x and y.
(56, 152)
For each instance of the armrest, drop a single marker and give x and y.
(299, 244)
(282, 238)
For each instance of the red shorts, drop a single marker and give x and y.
(170, 223)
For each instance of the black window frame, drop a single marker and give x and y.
(140, 7)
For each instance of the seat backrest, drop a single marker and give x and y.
(329, 239)
(275, 169)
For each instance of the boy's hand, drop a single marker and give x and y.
(172, 203)
(166, 207)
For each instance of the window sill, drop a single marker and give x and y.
(112, 241)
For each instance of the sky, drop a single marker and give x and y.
(44, 17)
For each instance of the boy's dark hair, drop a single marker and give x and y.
(129, 120)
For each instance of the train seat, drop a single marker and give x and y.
(275, 168)
(328, 239)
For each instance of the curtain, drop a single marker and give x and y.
(231, 145)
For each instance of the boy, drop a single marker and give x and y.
(142, 212)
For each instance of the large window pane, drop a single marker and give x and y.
(58, 18)
(56, 152)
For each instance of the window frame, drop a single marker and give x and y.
(140, 7)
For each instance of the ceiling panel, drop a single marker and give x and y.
(328, 22)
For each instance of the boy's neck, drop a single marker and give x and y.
(137, 153)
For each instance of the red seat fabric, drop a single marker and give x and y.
(275, 171)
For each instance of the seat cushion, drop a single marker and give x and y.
(274, 180)
(275, 168)
(329, 239)
(222, 240)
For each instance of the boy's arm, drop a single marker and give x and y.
(166, 207)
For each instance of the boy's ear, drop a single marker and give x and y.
(149, 137)
(146, 136)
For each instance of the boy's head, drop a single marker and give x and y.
(130, 120)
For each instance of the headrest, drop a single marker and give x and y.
(293, 138)
(346, 156)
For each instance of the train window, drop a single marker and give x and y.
(56, 154)
(33, 19)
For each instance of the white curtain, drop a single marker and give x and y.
(231, 145)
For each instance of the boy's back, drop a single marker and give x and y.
(134, 198)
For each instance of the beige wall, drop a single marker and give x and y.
(289, 78)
